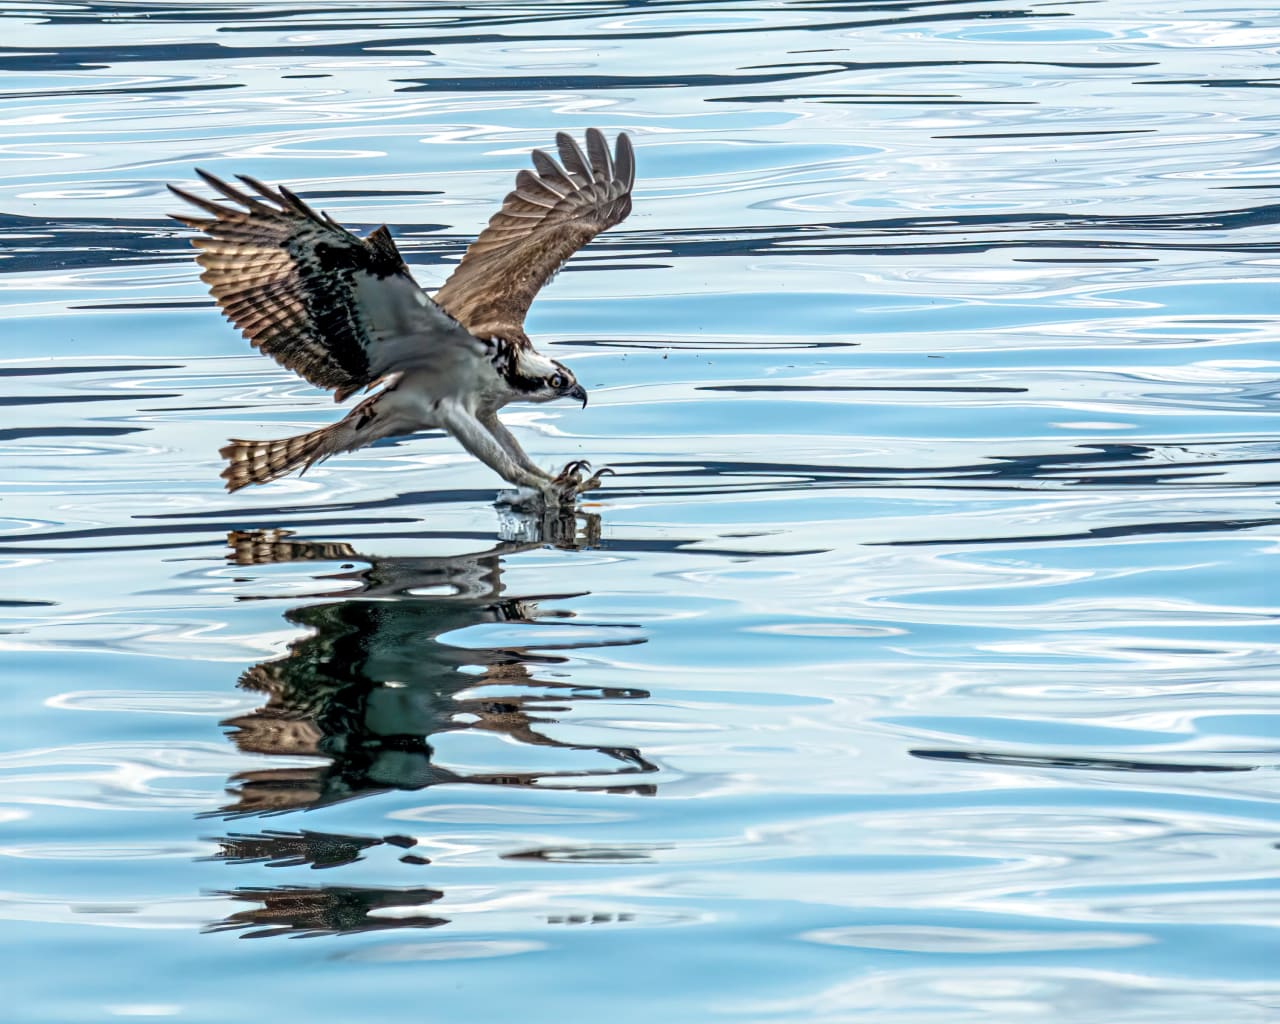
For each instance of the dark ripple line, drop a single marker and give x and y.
(1075, 763)
(98, 58)
(44, 371)
(369, 193)
(1098, 533)
(1001, 474)
(862, 237)
(10, 400)
(445, 31)
(177, 528)
(216, 533)
(1049, 135)
(20, 433)
(707, 80)
(873, 99)
(122, 90)
(1094, 459)
(805, 388)
(1220, 83)
(700, 345)
(74, 243)
(157, 304)
(1086, 260)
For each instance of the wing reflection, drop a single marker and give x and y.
(328, 910)
(373, 682)
(282, 849)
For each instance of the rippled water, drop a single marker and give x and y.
(918, 665)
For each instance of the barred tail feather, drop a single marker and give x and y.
(258, 462)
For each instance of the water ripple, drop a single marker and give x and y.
(923, 643)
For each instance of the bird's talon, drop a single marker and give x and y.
(594, 481)
(565, 487)
(571, 474)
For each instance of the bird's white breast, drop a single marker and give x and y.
(460, 378)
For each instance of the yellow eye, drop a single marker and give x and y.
(558, 381)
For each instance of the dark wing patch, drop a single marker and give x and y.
(549, 216)
(338, 310)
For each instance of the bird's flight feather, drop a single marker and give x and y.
(548, 217)
(338, 310)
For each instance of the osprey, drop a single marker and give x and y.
(344, 313)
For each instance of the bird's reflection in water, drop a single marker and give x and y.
(333, 910)
(367, 690)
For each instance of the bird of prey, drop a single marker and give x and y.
(344, 313)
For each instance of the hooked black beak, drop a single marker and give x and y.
(577, 391)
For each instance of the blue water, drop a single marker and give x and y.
(920, 662)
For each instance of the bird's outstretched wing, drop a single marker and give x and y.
(547, 218)
(338, 310)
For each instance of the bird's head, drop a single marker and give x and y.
(545, 380)
(561, 383)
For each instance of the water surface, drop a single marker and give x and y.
(918, 664)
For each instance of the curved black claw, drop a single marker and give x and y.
(564, 485)
(568, 484)
(594, 481)
(574, 468)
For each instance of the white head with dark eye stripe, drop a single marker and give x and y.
(539, 379)
(563, 384)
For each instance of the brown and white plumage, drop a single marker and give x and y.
(320, 301)
(548, 217)
(344, 312)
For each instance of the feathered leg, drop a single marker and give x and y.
(570, 480)
(509, 444)
(477, 438)
(258, 462)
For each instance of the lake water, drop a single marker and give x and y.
(918, 665)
